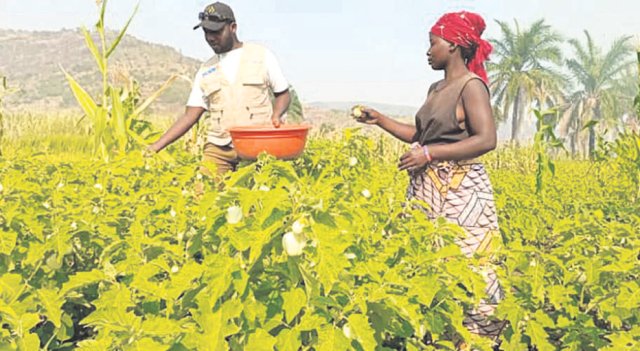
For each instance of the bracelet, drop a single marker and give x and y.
(427, 154)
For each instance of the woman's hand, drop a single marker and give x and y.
(413, 159)
(367, 115)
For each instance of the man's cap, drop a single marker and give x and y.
(215, 16)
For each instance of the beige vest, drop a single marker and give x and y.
(246, 102)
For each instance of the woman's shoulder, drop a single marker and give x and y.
(474, 81)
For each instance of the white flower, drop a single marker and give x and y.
(264, 188)
(347, 331)
(293, 244)
(74, 225)
(60, 185)
(96, 209)
(204, 218)
(184, 192)
(46, 205)
(350, 256)
(297, 227)
(1, 188)
(366, 193)
(199, 176)
(533, 263)
(319, 166)
(353, 161)
(234, 214)
(98, 186)
(172, 213)
(175, 269)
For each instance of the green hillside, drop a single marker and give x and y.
(31, 62)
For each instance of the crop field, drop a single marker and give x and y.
(127, 255)
(106, 247)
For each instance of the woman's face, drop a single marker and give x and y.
(439, 52)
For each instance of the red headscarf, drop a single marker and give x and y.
(465, 28)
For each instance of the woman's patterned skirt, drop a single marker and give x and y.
(460, 191)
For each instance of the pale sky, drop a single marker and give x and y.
(332, 50)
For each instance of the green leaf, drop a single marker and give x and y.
(294, 301)
(52, 303)
(629, 296)
(143, 106)
(7, 242)
(91, 45)
(332, 339)
(118, 120)
(538, 336)
(288, 340)
(10, 287)
(122, 33)
(82, 279)
(29, 342)
(360, 326)
(261, 341)
(84, 99)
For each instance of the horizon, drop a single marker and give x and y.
(369, 63)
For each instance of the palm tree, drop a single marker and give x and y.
(601, 92)
(523, 74)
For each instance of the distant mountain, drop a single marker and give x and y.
(388, 109)
(32, 63)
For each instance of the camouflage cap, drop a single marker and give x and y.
(215, 16)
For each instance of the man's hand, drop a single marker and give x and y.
(413, 159)
(149, 151)
(276, 121)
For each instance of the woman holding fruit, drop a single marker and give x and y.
(453, 127)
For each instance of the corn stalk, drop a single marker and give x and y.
(116, 117)
(637, 99)
(4, 91)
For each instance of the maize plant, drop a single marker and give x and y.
(4, 91)
(637, 99)
(115, 117)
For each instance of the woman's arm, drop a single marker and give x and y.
(402, 131)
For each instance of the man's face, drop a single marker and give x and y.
(221, 41)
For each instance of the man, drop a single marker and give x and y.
(234, 86)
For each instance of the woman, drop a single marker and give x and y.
(453, 127)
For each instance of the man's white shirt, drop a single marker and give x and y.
(228, 65)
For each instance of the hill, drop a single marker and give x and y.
(387, 109)
(32, 63)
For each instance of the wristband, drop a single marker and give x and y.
(425, 149)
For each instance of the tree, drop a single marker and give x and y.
(601, 92)
(295, 112)
(523, 74)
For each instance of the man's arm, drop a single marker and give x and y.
(182, 125)
(280, 106)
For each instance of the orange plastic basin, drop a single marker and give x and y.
(286, 142)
